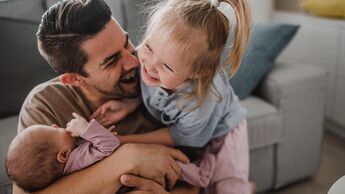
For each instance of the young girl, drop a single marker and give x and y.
(185, 86)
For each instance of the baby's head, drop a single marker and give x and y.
(184, 41)
(36, 157)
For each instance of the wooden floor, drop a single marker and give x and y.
(331, 169)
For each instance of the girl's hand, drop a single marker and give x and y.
(115, 110)
(77, 125)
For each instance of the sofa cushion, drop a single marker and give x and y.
(264, 122)
(22, 66)
(22, 10)
(267, 41)
(8, 130)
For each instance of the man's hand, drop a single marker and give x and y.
(155, 162)
(77, 125)
(115, 110)
(142, 185)
(146, 186)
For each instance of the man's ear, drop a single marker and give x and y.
(62, 156)
(72, 79)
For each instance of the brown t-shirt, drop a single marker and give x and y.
(53, 102)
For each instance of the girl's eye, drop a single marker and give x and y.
(148, 48)
(167, 67)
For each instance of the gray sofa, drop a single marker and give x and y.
(285, 112)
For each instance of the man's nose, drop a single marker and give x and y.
(130, 61)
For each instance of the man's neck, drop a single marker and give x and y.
(95, 98)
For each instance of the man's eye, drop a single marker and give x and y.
(112, 62)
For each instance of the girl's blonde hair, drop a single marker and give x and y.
(191, 23)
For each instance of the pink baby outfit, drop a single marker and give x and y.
(97, 143)
(224, 168)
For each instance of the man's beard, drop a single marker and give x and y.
(118, 92)
(127, 79)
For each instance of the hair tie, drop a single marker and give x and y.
(215, 3)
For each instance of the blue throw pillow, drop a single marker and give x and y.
(267, 41)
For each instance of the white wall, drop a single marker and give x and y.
(262, 10)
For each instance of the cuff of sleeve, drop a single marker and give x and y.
(95, 127)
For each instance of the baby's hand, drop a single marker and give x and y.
(77, 125)
(115, 110)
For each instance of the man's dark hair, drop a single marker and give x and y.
(63, 29)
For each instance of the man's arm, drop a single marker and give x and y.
(104, 176)
(148, 186)
(160, 136)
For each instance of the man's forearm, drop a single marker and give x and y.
(186, 190)
(160, 136)
(103, 177)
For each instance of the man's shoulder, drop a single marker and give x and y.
(51, 85)
(48, 91)
(51, 102)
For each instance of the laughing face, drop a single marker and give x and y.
(112, 66)
(162, 64)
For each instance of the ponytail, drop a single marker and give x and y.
(242, 33)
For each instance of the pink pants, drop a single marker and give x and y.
(224, 169)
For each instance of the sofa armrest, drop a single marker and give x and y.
(299, 93)
(285, 79)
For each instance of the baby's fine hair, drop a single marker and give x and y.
(192, 23)
(32, 165)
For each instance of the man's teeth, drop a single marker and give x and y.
(129, 75)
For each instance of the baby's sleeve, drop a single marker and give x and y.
(99, 143)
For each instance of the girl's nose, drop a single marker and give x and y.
(152, 70)
(151, 65)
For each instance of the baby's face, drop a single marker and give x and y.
(64, 138)
(54, 133)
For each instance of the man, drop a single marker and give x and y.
(81, 40)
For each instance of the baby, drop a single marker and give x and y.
(42, 154)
